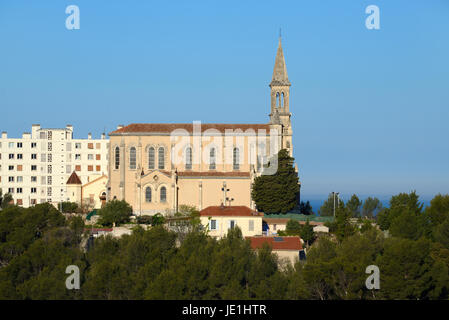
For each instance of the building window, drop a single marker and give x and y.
(19, 190)
(151, 158)
(90, 157)
(10, 168)
(98, 157)
(161, 158)
(213, 225)
(11, 145)
(49, 157)
(19, 156)
(33, 168)
(42, 135)
(251, 225)
(236, 159)
(212, 159)
(188, 158)
(90, 146)
(50, 146)
(77, 157)
(98, 168)
(68, 168)
(10, 190)
(50, 135)
(33, 179)
(19, 144)
(98, 146)
(117, 157)
(43, 157)
(19, 167)
(132, 158)
(231, 224)
(19, 179)
(90, 168)
(33, 144)
(11, 156)
(33, 190)
(148, 194)
(49, 180)
(49, 169)
(163, 193)
(77, 145)
(19, 202)
(34, 156)
(49, 193)
(78, 168)
(10, 179)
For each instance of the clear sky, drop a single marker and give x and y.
(370, 107)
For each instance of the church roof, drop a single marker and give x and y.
(134, 128)
(280, 76)
(74, 179)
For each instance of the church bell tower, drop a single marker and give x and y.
(280, 100)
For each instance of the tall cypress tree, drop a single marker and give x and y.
(277, 193)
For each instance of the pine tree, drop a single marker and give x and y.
(277, 193)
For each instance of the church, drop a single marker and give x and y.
(156, 167)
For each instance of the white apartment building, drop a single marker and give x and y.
(36, 167)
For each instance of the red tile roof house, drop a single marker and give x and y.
(288, 249)
(219, 219)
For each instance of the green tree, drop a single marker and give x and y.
(307, 233)
(327, 208)
(371, 206)
(305, 208)
(6, 200)
(115, 211)
(441, 233)
(279, 192)
(354, 205)
(293, 228)
(438, 210)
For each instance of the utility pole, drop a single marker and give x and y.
(338, 199)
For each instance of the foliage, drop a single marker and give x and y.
(69, 207)
(305, 208)
(307, 233)
(6, 200)
(371, 206)
(279, 192)
(354, 205)
(115, 211)
(327, 209)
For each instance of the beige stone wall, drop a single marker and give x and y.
(291, 256)
(242, 222)
(94, 189)
(129, 184)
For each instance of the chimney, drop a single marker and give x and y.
(89, 136)
(4, 135)
(103, 136)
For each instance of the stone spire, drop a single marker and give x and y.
(280, 77)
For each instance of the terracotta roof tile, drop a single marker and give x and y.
(169, 127)
(230, 211)
(212, 174)
(276, 243)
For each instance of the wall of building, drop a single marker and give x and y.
(242, 222)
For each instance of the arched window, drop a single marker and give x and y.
(236, 159)
(278, 98)
(161, 158)
(188, 158)
(163, 193)
(282, 100)
(212, 159)
(132, 158)
(148, 194)
(151, 158)
(117, 157)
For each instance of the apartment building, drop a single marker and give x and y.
(36, 167)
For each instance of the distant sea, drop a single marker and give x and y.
(317, 203)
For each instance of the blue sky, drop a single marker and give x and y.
(370, 107)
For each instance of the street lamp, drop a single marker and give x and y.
(338, 199)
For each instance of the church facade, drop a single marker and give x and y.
(156, 167)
